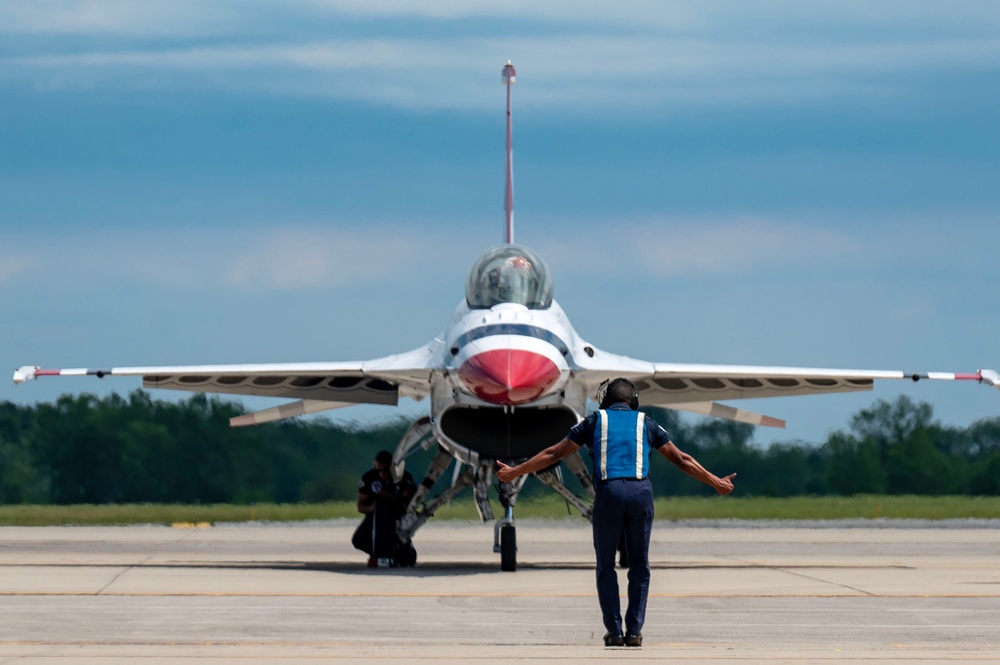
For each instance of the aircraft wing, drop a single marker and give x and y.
(379, 381)
(696, 387)
(677, 383)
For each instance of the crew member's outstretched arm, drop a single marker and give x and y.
(691, 467)
(541, 460)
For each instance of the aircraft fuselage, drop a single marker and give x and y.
(508, 390)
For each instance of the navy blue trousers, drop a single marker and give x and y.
(623, 506)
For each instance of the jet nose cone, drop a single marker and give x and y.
(509, 376)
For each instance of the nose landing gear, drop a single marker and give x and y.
(507, 535)
(504, 531)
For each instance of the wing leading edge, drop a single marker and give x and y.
(677, 383)
(697, 387)
(379, 381)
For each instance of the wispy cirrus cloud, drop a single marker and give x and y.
(653, 54)
(838, 244)
(742, 245)
(310, 258)
(286, 257)
(154, 18)
(623, 71)
(186, 17)
(672, 248)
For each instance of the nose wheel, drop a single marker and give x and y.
(508, 548)
(504, 531)
(505, 540)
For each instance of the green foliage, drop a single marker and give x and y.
(20, 480)
(853, 466)
(88, 450)
(986, 476)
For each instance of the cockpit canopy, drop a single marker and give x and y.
(509, 273)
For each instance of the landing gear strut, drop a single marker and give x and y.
(479, 475)
(504, 532)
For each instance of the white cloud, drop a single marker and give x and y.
(195, 17)
(700, 248)
(852, 245)
(562, 71)
(645, 53)
(740, 246)
(314, 258)
(283, 257)
(118, 17)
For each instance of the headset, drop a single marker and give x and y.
(602, 394)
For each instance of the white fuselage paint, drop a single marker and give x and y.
(545, 333)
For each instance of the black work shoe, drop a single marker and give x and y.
(633, 640)
(617, 640)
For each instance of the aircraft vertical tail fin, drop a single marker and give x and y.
(509, 78)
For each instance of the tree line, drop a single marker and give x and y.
(134, 449)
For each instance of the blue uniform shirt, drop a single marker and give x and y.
(620, 441)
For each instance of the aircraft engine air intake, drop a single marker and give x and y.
(494, 433)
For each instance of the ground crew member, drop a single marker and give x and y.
(383, 501)
(620, 439)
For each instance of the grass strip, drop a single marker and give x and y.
(679, 508)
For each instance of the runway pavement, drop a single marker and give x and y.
(721, 592)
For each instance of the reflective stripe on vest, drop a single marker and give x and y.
(620, 446)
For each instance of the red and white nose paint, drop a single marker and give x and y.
(501, 371)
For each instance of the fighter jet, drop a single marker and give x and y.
(508, 377)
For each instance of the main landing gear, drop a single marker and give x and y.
(480, 477)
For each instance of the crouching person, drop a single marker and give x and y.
(383, 501)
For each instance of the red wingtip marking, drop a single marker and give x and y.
(969, 377)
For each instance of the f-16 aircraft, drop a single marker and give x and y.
(508, 377)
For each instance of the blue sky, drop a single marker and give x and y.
(779, 182)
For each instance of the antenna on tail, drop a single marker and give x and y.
(509, 78)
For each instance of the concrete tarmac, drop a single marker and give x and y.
(873, 592)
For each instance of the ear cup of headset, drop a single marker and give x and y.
(602, 395)
(606, 401)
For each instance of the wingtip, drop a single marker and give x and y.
(26, 373)
(991, 377)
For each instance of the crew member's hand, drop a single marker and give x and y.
(505, 473)
(725, 485)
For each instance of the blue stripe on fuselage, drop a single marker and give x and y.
(513, 329)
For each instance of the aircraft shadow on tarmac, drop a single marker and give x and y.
(429, 569)
(432, 569)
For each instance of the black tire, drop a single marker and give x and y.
(508, 548)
